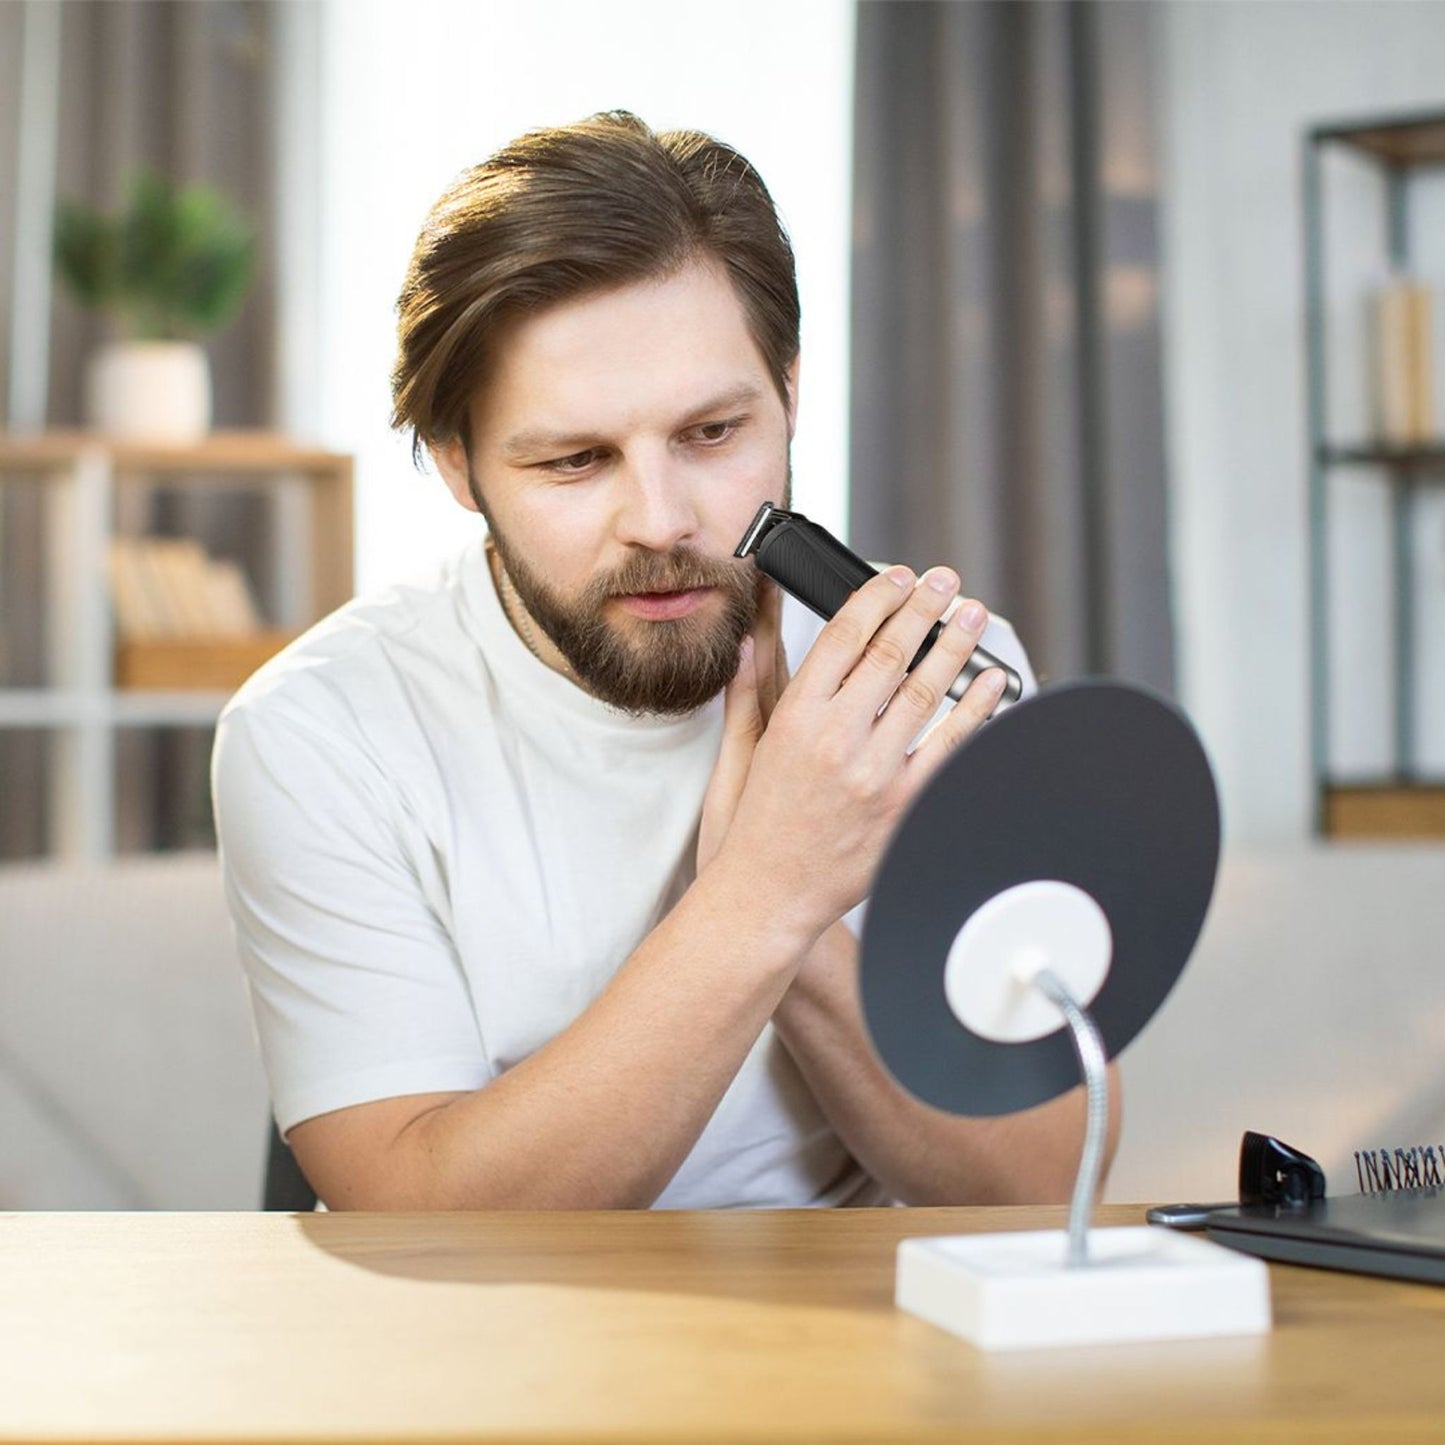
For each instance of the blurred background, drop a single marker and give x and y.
(1131, 310)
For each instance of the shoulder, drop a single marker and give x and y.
(355, 666)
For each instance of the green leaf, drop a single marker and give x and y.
(85, 254)
(174, 263)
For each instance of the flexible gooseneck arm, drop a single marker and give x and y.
(1093, 1061)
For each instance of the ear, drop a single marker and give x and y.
(451, 461)
(792, 384)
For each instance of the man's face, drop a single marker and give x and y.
(620, 449)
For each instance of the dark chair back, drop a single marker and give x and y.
(286, 1189)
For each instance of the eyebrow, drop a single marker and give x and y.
(532, 442)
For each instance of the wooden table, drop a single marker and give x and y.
(636, 1327)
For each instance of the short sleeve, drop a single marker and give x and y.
(355, 985)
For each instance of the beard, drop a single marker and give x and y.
(667, 667)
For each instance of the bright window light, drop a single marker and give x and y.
(413, 94)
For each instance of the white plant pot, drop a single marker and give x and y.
(154, 391)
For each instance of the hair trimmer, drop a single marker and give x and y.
(812, 564)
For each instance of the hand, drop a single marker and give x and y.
(747, 706)
(829, 772)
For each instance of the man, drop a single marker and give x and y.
(531, 916)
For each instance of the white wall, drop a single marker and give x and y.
(1243, 81)
(413, 93)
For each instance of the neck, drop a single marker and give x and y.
(532, 637)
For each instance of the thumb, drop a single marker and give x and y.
(742, 727)
(742, 709)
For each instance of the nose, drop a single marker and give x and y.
(655, 508)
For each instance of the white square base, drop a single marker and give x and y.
(1015, 1291)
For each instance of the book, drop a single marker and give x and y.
(1400, 1234)
(232, 607)
(1395, 1226)
(135, 592)
(1402, 344)
(169, 588)
(180, 568)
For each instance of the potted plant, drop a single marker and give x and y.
(173, 265)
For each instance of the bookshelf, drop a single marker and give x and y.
(74, 694)
(1403, 798)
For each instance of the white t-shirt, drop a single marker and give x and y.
(437, 852)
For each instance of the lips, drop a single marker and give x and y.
(663, 606)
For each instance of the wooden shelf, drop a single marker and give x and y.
(240, 451)
(1385, 810)
(194, 664)
(1411, 140)
(92, 488)
(1421, 458)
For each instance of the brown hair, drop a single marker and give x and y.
(564, 212)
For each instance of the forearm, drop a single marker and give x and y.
(602, 1116)
(918, 1154)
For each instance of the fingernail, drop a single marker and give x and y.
(994, 680)
(971, 616)
(941, 579)
(903, 576)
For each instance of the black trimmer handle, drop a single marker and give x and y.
(809, 562)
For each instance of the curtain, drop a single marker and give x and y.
(1006, 399)
(187, 89)
(183, 88)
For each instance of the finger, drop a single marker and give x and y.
(768, 631)
(958, 724)
(781, 674)
(842, 641)
(741, 722)
(881, 671)
(742, 726)
(925, 689)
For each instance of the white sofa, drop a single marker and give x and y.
(129, 1077)
(1314, 1009)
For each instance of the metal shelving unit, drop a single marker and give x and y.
(1405, 802)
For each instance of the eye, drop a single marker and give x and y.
(711, 433)
(577, 462)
